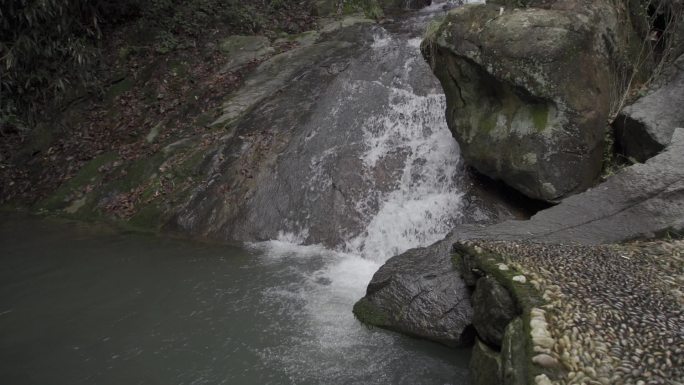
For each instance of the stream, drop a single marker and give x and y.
(81, 304)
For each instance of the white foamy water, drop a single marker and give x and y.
(427, 201)
(420, 208)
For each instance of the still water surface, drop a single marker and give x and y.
(84, 305)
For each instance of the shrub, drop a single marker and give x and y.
(50, 46)
(45, 46)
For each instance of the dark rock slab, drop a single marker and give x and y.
(494, 309)
(645, 128)
(641, 201)
(419, 293)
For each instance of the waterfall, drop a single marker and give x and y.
(409, 196)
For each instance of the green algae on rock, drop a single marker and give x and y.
(532, 82)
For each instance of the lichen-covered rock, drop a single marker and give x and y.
(494, 309)
(529, 89)
(645, 128)
(421, 294)
(485, 365)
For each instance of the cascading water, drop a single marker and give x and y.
(425, 203)
(411, 197)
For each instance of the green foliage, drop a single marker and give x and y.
(47, 46)
(370, 8)
(430, 40)
(50, 47)
(659, 24)
(44, 46)
(277, 4)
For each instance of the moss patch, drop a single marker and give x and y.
(88, 175)
(540, 116)
(370, 8)
(369, 314)
(149, 218)
(487, 123)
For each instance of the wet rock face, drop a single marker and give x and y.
(645, 128)
(528, 90)
(421, 294)
(494, 309)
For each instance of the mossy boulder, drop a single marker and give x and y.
(529, 89)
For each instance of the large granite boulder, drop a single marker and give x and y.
(529, 89)
(421, 294)
(645, 128)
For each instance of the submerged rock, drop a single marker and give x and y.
(645, 128)
(421, 294)
(528, 89)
